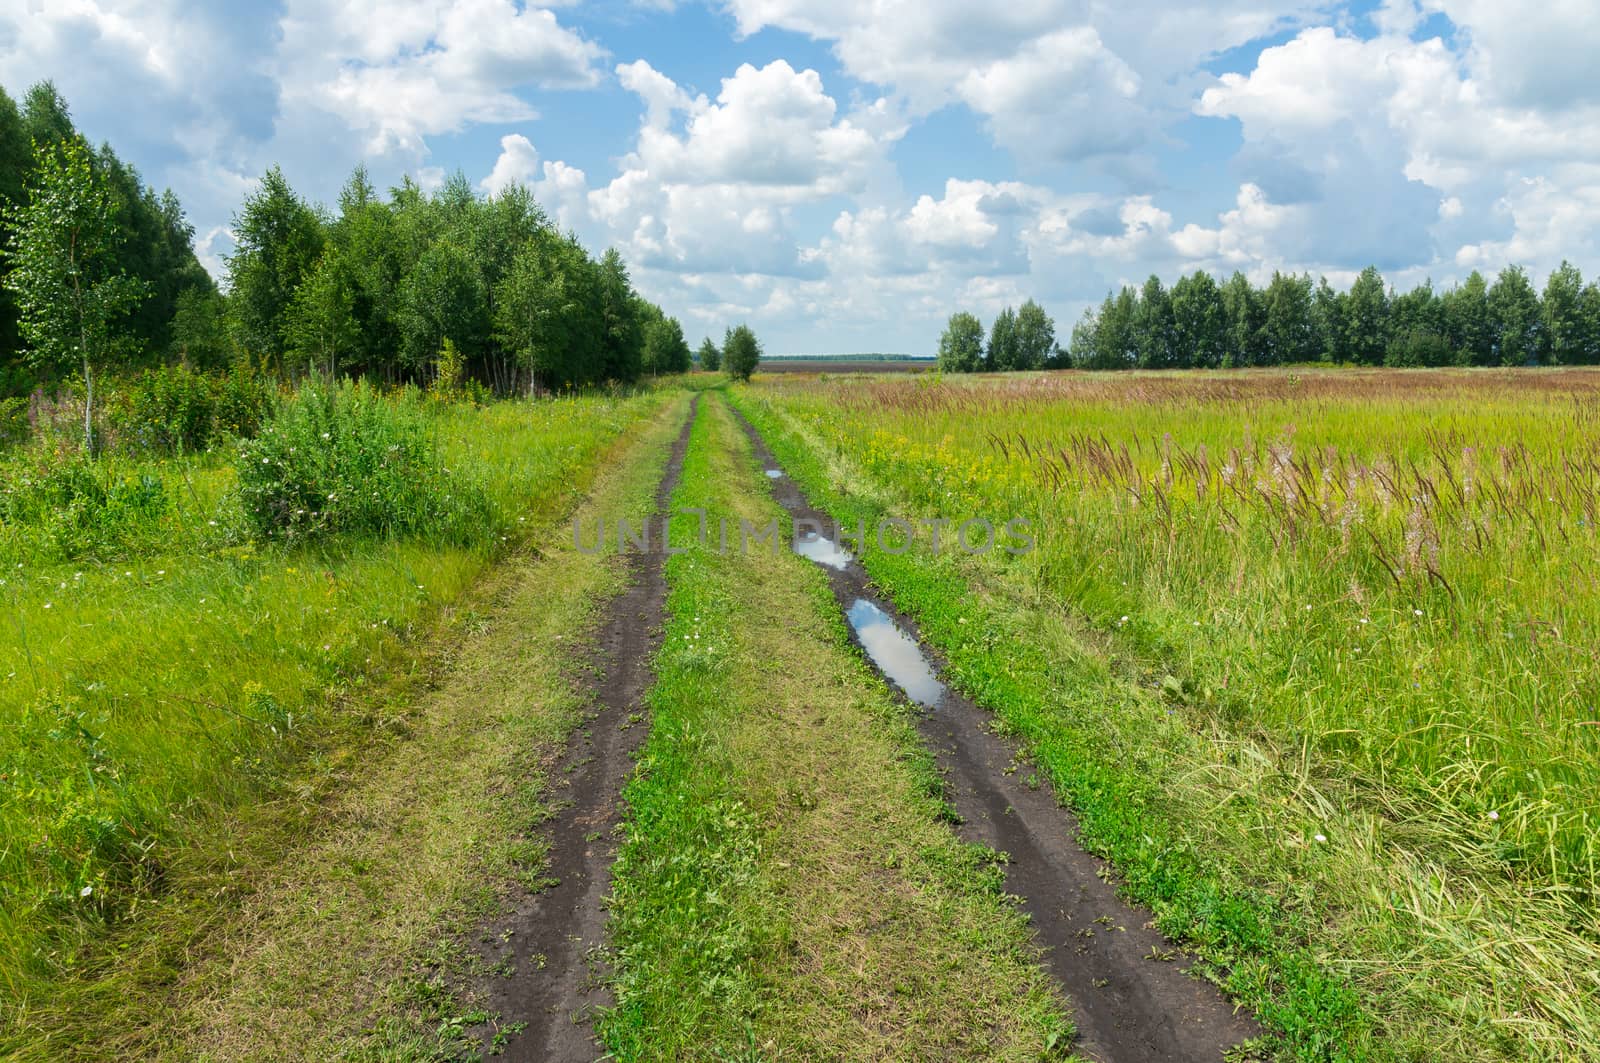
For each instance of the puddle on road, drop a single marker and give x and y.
(773, 474)
(895, 653)
(823, 552)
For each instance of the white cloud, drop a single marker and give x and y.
(1054, 79)
(773, 127)
(400, 70)
(518, 164)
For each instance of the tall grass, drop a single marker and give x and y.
(162, 679)
(1384, 580)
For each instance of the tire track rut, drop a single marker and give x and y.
(550, 938)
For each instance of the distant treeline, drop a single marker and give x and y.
(847, 357)
(375, 287)
(1198, 323)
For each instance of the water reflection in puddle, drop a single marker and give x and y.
(773, 474)
(823, 552)
(895, 653)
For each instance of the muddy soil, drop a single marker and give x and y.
(543, 953)
(1132, 997)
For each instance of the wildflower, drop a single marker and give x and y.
(47, 605)
(86, 891)
(1494, 816)
(1417, 612)
(1321, 838)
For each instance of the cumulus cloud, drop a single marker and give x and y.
(773, 127)
(400, 70)
(1053, 79)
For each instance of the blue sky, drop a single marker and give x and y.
(842, 174)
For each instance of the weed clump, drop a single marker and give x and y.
(83, 509)
(347, 460)
(174, 410)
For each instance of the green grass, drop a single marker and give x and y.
(1305, 795)
(149, 696)
(788, 886)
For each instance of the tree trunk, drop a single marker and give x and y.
(88, 402)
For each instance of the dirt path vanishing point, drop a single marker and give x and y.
(1132, 1000)
(548, 938)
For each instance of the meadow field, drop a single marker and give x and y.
(307, 733)
(1310, 653)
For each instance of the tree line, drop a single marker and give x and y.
(99, 273)
(1199, 323)
(152, 246)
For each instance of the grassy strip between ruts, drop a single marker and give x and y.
(788, 887)
(327, 923)
(1110, 749)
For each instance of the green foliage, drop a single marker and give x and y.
(279, 241)
(961, 345)
(175, 410)
(1199, 321)
(1366, 321)
(166, 411)
(1288, 324)
(82, 509)
(345, 460)
(665, 349)
(1514, 318)
(547, 312)
(1035, 336)
(69, 288)
(621, 331)
(1566, 331)
(710, 355)
(452, 374)
(741, 352)
(1004, 350)
(1156, 327)
(14, 427)
(1242, 310)
(200, 330)
(442, 298)
(321, 327)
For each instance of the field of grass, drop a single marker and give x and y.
(155, 682)
(1312, 655)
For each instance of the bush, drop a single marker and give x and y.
(166, 411)
(347, 460)
(84, 508)
(243, 402)
(174, 410)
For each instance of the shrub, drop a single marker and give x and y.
(166, 411)
(347, 460)
(83, 507)
(243, 402)
(174, 410)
